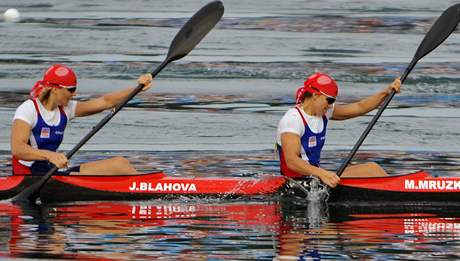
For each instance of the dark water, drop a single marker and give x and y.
(215, 112)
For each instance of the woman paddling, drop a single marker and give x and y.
(302, 130)
(39, 124)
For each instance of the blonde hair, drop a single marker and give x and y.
(44, 94)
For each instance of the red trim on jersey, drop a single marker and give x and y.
(38, 110)
(285, 171)
(303, 119)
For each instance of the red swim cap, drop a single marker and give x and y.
(60, 75)
(57, 76)
(318, 83)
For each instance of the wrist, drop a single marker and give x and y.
(46, 154)
(318, 172)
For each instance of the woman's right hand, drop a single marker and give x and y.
(146, 80)
(58, 159)
(329, 178)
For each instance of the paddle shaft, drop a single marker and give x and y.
(373, 121)
(109, 116)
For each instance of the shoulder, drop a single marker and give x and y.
(26, 107)
(292, 113)
(26, 112)
(28, 104)
(330, 112)
(292, 116)
(70, 109)
(291, 122)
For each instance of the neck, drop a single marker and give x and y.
(49, 104)
(307, 107)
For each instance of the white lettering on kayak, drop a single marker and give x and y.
(409, 184)
(163, 187)
(439, 185)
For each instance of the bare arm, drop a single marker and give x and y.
(291, 149)
(20, 133)
(347, 111)
(110, 100)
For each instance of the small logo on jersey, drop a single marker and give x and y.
(45, 133)
(312, 141)
(59, 133)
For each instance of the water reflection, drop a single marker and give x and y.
(143, 230)
(316, 232)
(233, 230)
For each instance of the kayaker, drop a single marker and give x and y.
(39, 124)
(302, 130)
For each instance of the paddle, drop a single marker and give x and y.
(439, 32)
(186, 39)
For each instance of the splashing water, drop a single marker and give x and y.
(311, 189)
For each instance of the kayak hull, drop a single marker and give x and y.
(415, 188)
(140, 187)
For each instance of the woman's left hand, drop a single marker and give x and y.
(146, 80)
(394, 86)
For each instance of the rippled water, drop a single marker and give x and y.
(224, 230)
(214, 113)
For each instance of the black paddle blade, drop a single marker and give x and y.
(439, 32)
(194, 30)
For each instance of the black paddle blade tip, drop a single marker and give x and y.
(196, 28)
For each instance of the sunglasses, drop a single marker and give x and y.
(71, 89)
(330, 100)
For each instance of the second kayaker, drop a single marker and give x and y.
(301, 132)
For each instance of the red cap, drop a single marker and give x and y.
(60, 75)
(318, 83)
(57, 76)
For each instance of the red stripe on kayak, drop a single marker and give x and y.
(109, 183)
(415, 182)
(159, 183)
(10, 182)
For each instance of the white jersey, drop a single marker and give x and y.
(27, 113)
(292, 122)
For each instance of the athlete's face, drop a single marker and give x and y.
(322, 103)
(64, 95)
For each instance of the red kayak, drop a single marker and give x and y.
(415, 187)
(139, 187)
